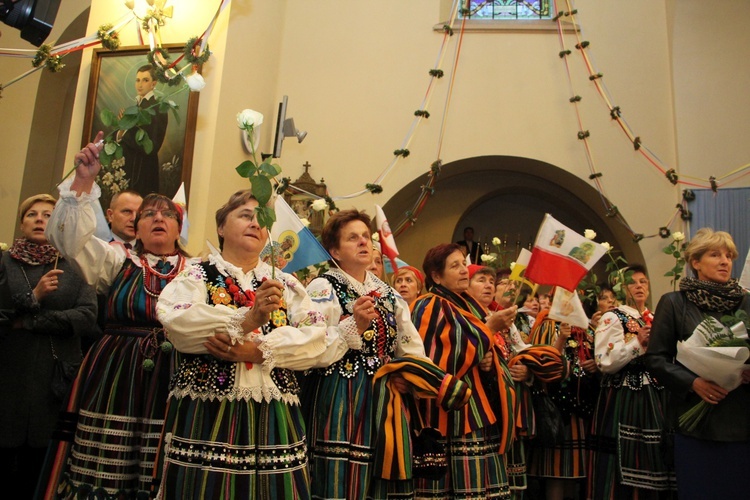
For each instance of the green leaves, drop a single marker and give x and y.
(109, 118)
(675, 249)
(260, 175)
(589, 288)
(266, 215)
(260, 179)
(729, 320)
(132, 117)
(270, 170)
(246, 169)
(262, 190)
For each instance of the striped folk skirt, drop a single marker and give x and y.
(630, 446)
(566, 460)
(476, 469)
(112, 421)
(340, 416)
(233, 448)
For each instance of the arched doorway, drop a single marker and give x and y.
(503, 196)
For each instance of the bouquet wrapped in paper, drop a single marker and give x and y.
(715, 352)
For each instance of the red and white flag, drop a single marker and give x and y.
(561, 257)
(387, 242)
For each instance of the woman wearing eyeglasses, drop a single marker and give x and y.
(118, 400)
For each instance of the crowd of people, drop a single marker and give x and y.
(224, 377)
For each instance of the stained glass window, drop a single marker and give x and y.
(500, 10)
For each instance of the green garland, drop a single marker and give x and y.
(151, 56)
(41, 55)
(110, 41)
(163, 71)
(53, 63)
(189, 52)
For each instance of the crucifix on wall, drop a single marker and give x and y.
(300, 196)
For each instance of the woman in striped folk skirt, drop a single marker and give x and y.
(456, 338)
(561, 466)
(110, 430)
(500, 317)
(234, 426)
(340, 406)
(631, 455)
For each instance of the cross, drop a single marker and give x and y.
(307, 166)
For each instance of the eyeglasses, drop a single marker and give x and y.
(151, 213)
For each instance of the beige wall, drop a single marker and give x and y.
(355, 74)
(711, 77)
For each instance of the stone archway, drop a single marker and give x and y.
(503, 195)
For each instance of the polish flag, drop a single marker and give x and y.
(561, 257)
(387, 242)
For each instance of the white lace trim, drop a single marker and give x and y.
(371, 283)
(261, 270)
(350, 333)
(258, 394)
(66, 192)
(269, 360)
(234, 326)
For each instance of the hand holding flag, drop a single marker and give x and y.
(561, 257)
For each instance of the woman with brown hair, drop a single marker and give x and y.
(119, 398)
(631, 453)
(456, 338)
(240, 328)
(45, 308)
(339, 399)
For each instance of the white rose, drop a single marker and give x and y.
(607, 246)
(3, 247)
(485, 257)
(195, 81)
(496, 241)
(492, 257)
(305, 222)
(589, 234)
(248, 118)
(375, 236)
(319, 204)
(678, 236)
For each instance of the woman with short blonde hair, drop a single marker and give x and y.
(704, 302)
(707, 239)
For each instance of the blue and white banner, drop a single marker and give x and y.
(295, 246)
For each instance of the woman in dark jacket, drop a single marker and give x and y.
(711, 459)
(45, 308)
